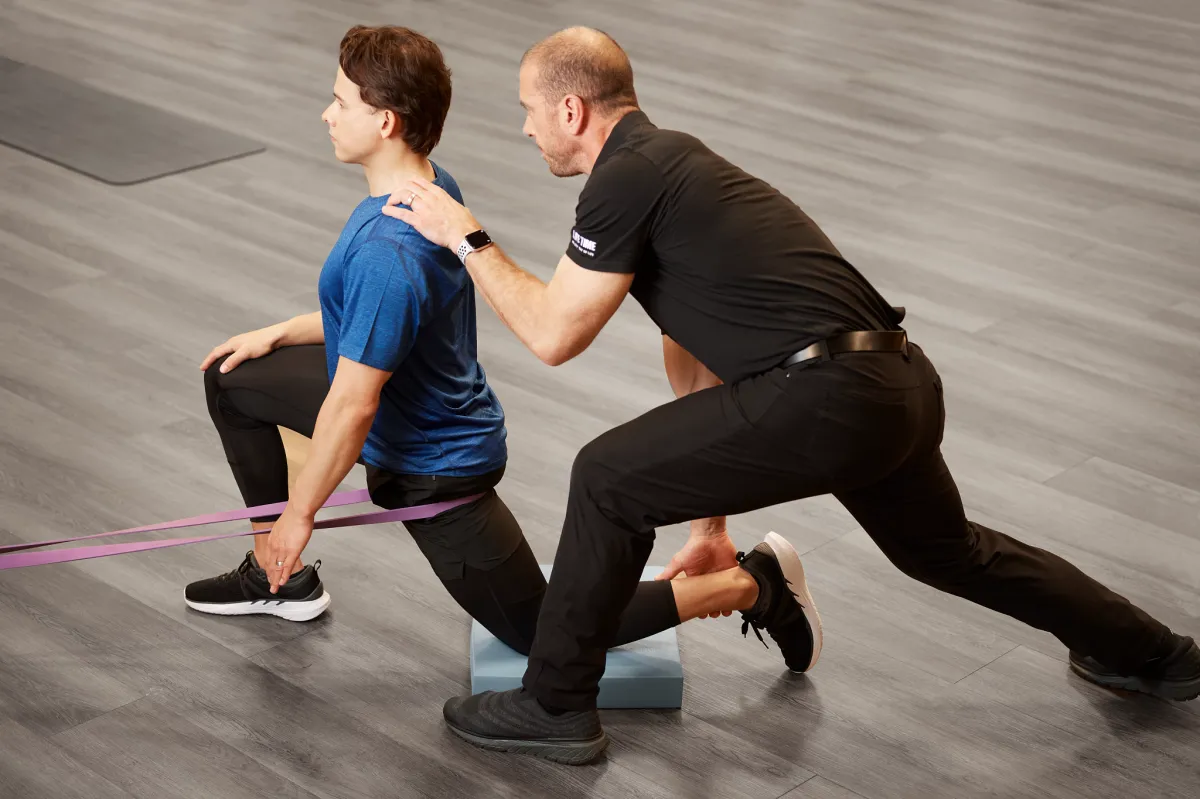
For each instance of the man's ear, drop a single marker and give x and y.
(391, 124)
(572, 114)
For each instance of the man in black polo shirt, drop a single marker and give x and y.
(794, 379)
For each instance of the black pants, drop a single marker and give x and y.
(864, 427)
(477, 550)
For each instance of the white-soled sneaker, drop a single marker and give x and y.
(246, 591)
(785, 608)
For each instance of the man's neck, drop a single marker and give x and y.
(389, 170)
(595, 143)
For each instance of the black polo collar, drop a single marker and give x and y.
(620, 132)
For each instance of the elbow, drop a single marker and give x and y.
(365, 412)
(366, 407)
(356, 410)
(553, 352)
(557, 343)
(553, 356)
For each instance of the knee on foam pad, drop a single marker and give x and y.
(643, 674)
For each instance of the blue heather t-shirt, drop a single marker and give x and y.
(393, 300)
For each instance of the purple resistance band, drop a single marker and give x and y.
(15, 558)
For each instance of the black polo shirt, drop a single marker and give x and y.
(724, 264)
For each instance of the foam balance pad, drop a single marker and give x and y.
(644, 674)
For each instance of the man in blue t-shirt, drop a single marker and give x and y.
(385, 374)
(393, 302)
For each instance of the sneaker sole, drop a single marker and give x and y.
(1175, 691)
(283, 608)
(793, 572)
(570, 753)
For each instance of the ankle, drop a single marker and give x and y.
(747, 588)
(261, 558)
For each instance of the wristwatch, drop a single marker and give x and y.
(474, 241)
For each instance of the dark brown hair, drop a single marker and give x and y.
(587, 63)
(402, 71)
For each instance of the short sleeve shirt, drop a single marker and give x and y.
(393, 301)
(723, 262)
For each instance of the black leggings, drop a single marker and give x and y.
(477, 550)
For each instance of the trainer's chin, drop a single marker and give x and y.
(561, 170)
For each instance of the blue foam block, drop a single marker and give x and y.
(644, 674)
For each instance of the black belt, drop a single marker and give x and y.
(856, 341)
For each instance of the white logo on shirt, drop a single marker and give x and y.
(585, 246)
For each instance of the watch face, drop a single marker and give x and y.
(478, 239)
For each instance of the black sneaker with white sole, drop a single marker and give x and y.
(785, 608)
(1173, 675)
(246, 591)
(513, 721)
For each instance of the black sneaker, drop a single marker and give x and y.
(785, 608)
(513, 721)
(1173, 676)
(246, 591)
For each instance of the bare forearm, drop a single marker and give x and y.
(305, 329)
(518, 298)
(555, 320)
(341, 428)
(687, 375)
(684, 372)
(699, 379)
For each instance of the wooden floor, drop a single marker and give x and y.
(1023, 175)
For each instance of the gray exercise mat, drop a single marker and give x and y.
(102, 135)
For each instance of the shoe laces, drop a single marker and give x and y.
(749, 624)
(246, 564)
(756, 622)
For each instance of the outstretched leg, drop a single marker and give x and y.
(917, 519)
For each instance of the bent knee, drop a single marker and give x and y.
(213, 379)
(599, 464)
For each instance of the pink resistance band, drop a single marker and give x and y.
(15, 558)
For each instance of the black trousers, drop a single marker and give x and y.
(477, 550)
(866, 427)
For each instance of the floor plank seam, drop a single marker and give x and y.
(102, 715)
(985, 665)
(1088, 458)
(808, 552)
(796, 787)
(872, 644)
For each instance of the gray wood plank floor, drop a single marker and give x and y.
(1023, 175)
